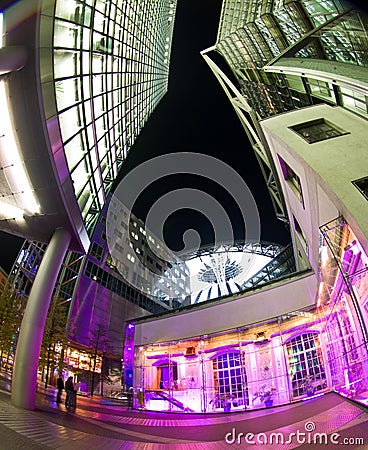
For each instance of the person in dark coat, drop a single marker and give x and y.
(130, 394)
(70, 393)
(60, 387)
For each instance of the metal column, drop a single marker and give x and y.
(33, 324)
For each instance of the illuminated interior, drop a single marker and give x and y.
(289, 358)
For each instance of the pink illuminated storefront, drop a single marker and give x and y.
(291, 356)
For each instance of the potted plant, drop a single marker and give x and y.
(227, 401)
(265, 395)
(308, 386)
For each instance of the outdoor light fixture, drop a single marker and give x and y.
(13, 173)
(10, 211)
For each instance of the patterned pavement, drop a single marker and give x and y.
(323, 422)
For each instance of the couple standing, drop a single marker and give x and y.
(71, 391)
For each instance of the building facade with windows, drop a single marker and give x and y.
(79, 81)
(285, 56)
(301, 95)
(111, 287)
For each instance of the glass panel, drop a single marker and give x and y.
(74, 151)
(64, 63)
(66, 92)
(116, 36)
(79, 176)
(317, 130)
(70, 122)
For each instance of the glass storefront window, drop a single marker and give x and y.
(301, 354)
(229, 380)
(306, 367)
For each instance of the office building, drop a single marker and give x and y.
(89, 80)
(301, 95)
(79, 81)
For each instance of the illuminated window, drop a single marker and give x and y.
(230, 379)
(109, 76)
(306, 364)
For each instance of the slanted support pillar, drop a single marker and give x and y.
(30, 337)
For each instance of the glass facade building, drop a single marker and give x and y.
(110, 70)
(291, 357)
(301, 95)
(100, 68)
(287, 55)
(82, 79)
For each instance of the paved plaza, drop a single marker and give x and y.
(105, 424)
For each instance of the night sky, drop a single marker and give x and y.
(194, 116)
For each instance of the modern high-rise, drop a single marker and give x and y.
(77, 98)
(289, 56)
(301, 95)
(79, 81)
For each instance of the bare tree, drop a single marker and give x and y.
(12, 306)
(54, 339)
(99, 344)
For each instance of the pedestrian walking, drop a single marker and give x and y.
(130, 398)
(60, 388)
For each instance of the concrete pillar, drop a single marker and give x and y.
(33, 324)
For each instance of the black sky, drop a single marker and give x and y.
(194, 116)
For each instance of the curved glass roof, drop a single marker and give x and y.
(228, 269)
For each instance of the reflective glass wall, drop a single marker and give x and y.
(290, 358)
(343, 298)
(110, 68)
(269, 364)
(264, 41)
